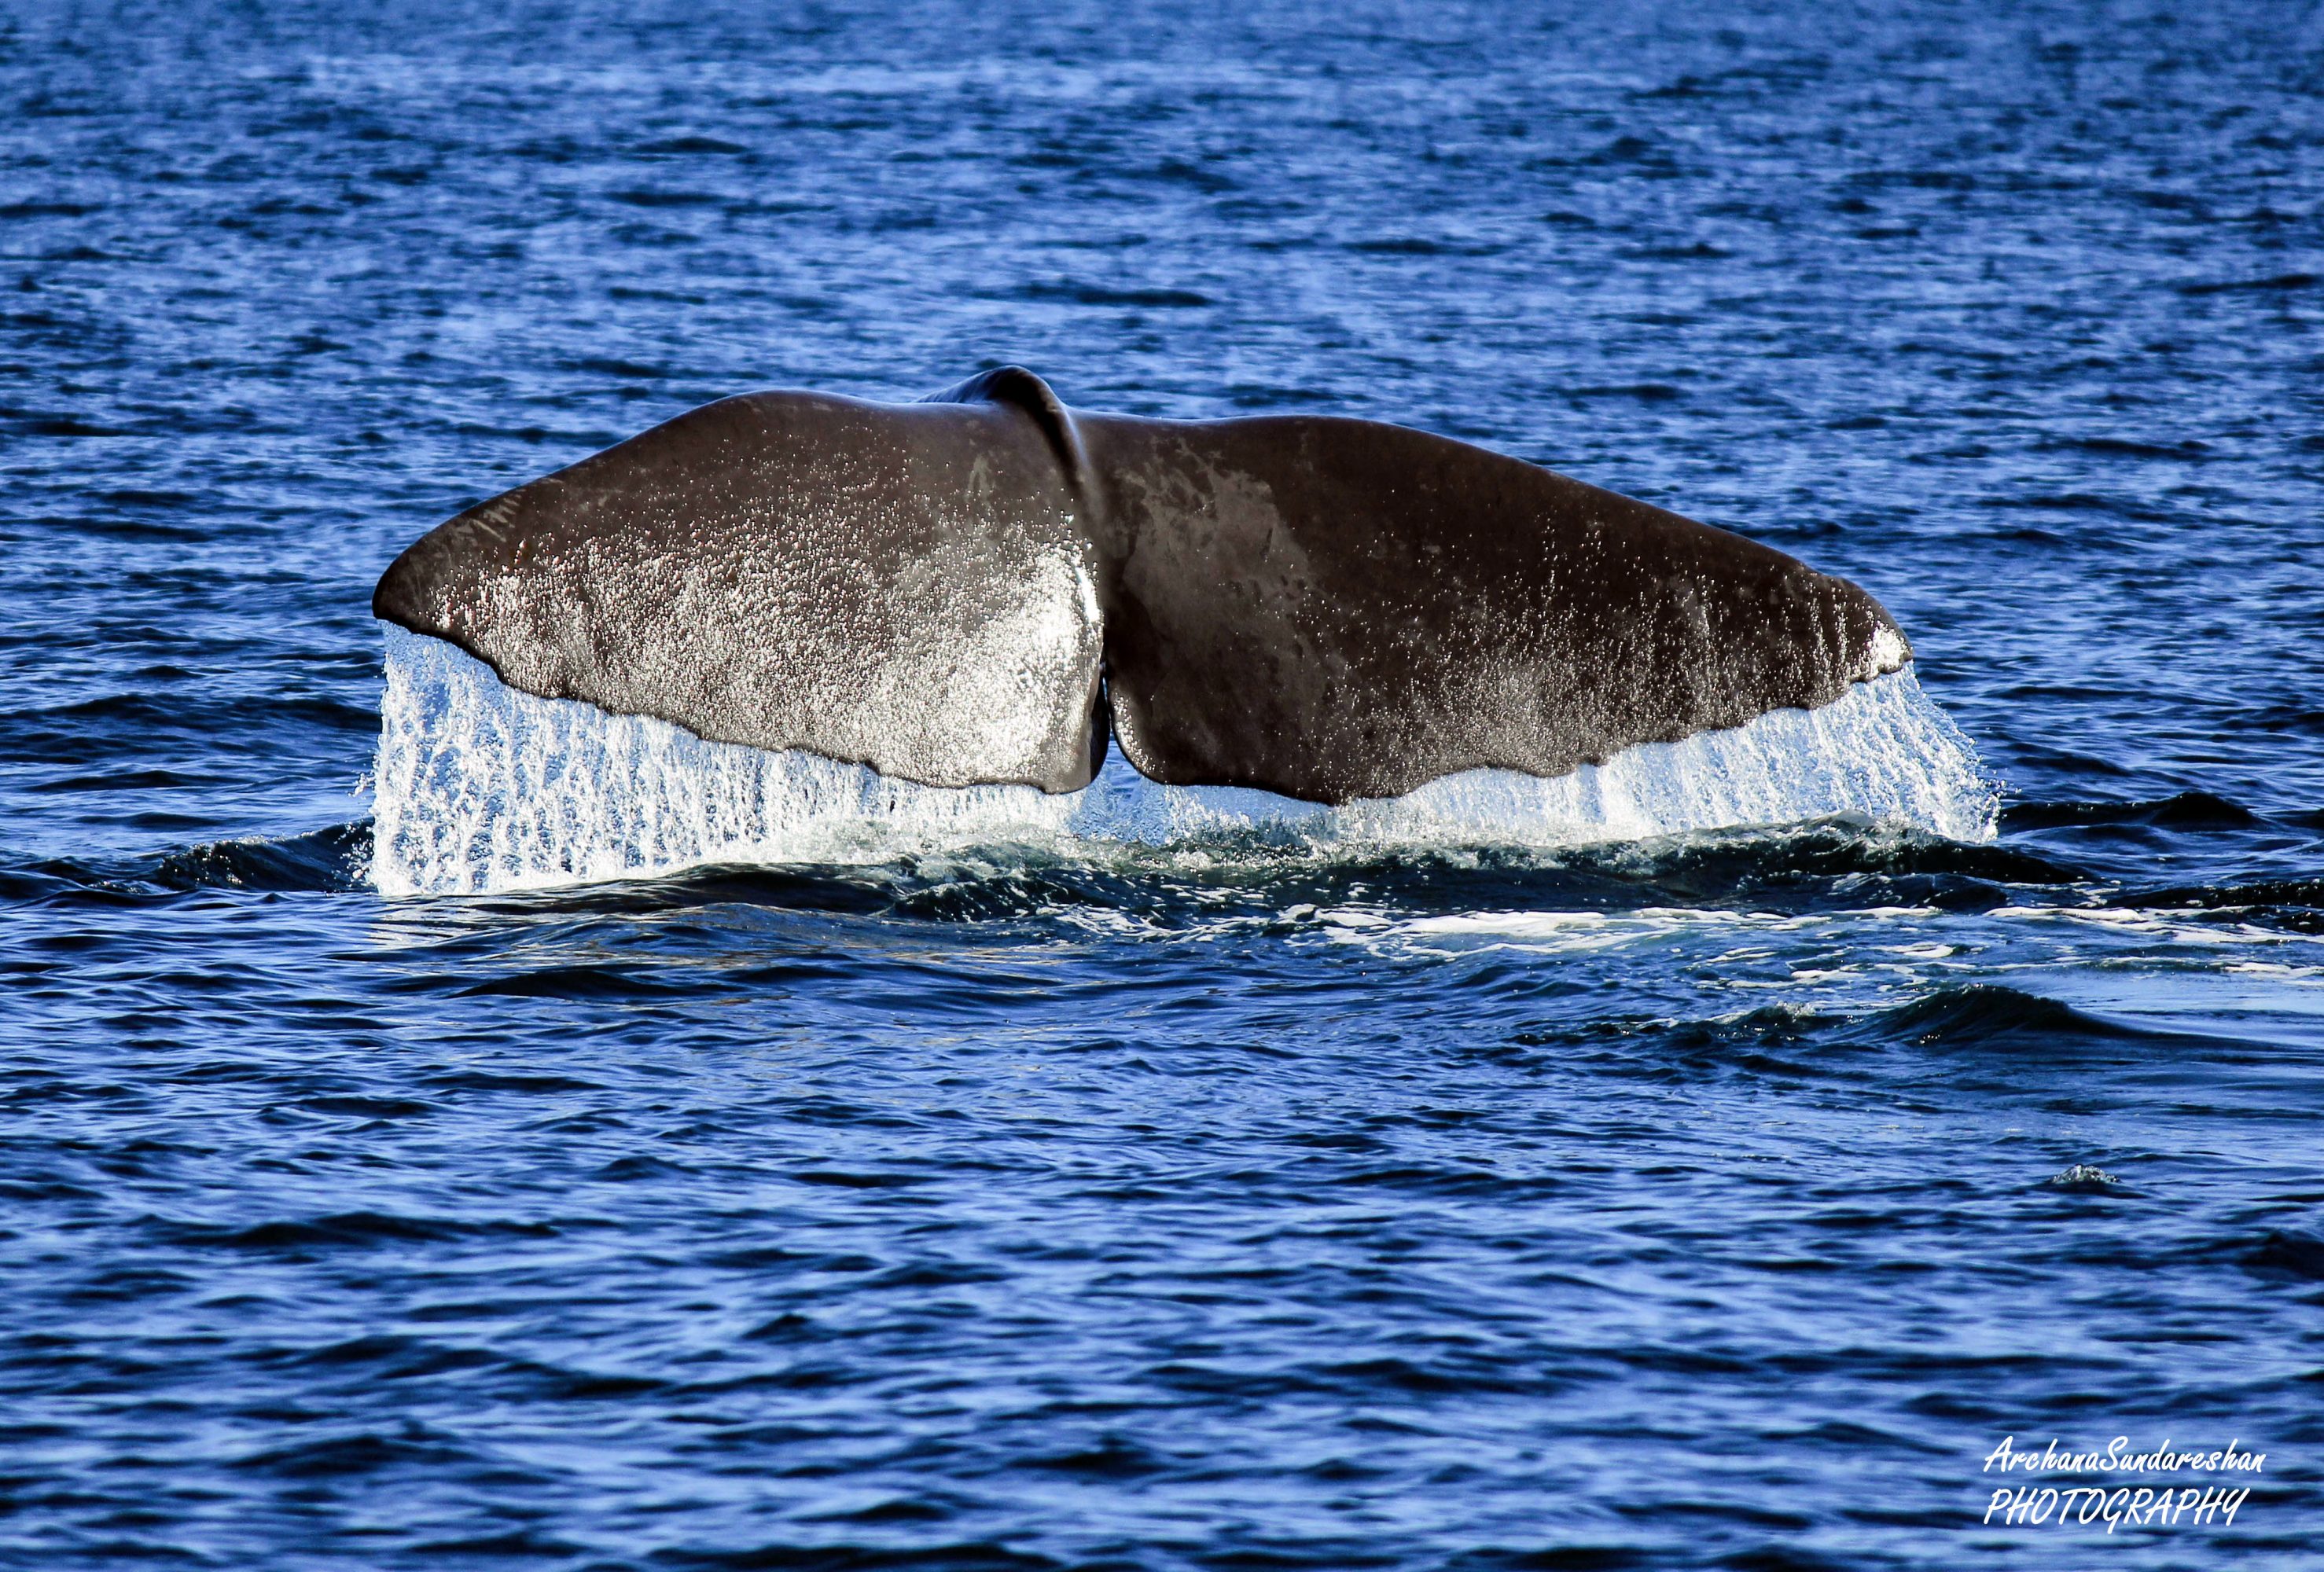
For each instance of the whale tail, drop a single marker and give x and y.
(975, 589)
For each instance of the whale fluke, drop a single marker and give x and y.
(974, 588)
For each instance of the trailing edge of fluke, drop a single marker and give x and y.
(978, 587)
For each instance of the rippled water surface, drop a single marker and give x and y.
(1683, 1203)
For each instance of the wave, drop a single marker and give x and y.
(482, 788)
(321, 861)
(2188, 810)
(2280, 896)
(1827, 868)
(1978, 1014)
(331, 859)
(1830, 864)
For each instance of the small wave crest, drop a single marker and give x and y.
(329, 858)
(482, 789)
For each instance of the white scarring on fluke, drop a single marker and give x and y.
(481, 788)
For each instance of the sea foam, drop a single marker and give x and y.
(481, 788)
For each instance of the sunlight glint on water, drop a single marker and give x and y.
(482, 787)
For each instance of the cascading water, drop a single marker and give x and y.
(481, 788)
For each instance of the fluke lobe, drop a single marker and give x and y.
(972, 588)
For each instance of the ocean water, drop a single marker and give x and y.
(1225, 1195)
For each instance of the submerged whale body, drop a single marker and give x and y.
(979, 588)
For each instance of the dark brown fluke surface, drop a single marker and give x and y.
(1325, 608)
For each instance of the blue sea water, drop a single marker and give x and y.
(1688, 1203)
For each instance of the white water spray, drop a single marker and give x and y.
(481, 788)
